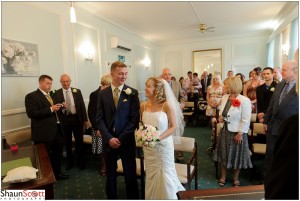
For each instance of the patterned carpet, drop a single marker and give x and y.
(88, 184)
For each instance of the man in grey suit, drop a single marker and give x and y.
(284, 103)
(176, 87)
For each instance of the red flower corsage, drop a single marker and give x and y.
(235, 102)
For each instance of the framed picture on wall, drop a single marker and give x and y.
(19, 58)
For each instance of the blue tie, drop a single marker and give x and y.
(284, 92)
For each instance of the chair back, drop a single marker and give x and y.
(187, 145)
(219, 127)
(18, 137)
(253, 118)
(189, 104)
(258, 128)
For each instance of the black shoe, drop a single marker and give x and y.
(62, 177)
(69, 166)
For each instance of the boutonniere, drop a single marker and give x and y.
(52, 92)
(74, 90)
(128, 91)
(236, 102)
(125, 100)
(272, 89)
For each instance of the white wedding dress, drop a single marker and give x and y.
(162, 182)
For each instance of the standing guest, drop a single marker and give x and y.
(188, 80)
(97, 142)
(163, 112)
(214, 96)
(229, 75)
(258, 69)
(250, 88)
(277, 74)
(74, 120)
(181, 79)
(45, 114)
(285, 164)
(284, 103)
(173, 78)
(117, 119)
(242, 77)
(205, 82)
(264, 93)
(176, 88)
(232, 146)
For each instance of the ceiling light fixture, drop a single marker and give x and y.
(72, 13)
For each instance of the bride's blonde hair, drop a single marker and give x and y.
(159, 90)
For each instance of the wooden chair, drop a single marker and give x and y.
(21, 138)
(258, 148)
(190, 107)
(189, 171)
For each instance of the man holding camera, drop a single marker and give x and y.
(45, 114)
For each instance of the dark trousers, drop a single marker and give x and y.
(72, 125)
(127, 155)
(271, 140)
(55, 150)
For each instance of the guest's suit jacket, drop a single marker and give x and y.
(119, 122)
(263, 96)
(43, 121)
(238, 118)
(176, 87)
(79, 103)
(92, 108)
(276, 113)
(202, 83)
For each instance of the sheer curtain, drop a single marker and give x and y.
(270, 57)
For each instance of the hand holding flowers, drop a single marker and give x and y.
(147, 135)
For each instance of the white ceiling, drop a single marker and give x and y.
(164, 22)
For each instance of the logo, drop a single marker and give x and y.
(22, 195)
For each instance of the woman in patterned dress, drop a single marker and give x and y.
(232, 147)
(214, 95)
(96, 135)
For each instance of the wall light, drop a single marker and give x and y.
(285, 49)
(72, 13)
(147, 63)
(87, 50)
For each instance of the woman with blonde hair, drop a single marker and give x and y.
(163, 112)
(232, 147)
(97, 147)
(214, 95)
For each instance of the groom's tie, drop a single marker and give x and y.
(116, 96)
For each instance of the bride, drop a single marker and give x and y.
(162, 111)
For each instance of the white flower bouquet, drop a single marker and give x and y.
(147, 135)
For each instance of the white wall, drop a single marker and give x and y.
(47, 24)
(239, 53)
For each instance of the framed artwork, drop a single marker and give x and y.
(19, 58)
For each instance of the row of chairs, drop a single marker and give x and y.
(186, 172)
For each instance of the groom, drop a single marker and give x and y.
(117, 119)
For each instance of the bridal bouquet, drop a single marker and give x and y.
(147, 135)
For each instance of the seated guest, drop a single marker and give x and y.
(205, 82)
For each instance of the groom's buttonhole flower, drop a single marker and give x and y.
(74, 90)
(128, 91)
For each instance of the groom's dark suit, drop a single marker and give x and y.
(120, 122)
